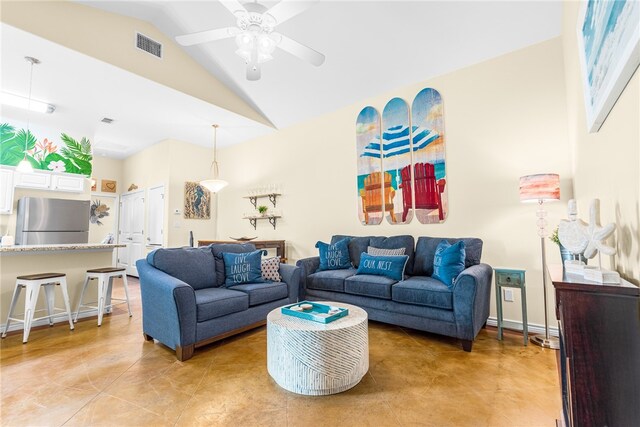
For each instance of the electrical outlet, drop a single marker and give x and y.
(508, 295)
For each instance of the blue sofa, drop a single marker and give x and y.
(185, 304)
(419, 301)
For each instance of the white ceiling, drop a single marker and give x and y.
(84, 90)
(371, 47)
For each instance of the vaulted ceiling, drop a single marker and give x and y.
(371, 47)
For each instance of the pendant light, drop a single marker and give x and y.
(214, 185)
(24, 165)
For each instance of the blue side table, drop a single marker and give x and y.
(511, 278)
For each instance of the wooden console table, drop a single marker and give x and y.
(279, 245)
(599, 358)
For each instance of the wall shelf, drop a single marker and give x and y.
(273, 197)
(273, 219)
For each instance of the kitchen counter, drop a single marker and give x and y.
(60, 247)
(71, 259)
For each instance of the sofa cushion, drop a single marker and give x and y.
(259, 293)
(357, 245)
(391, 266)
(369, 285)
(426, 250)
(448, 262)
(422, 290)
(242, 268)
(194, 266)
(330, 280)
(395, 242)
(271, 269)
(384, 252)
(219, 248)
(218, 302)
(334, 256)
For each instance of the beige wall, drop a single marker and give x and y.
(606, 164)
(503, 118)
(111, 38)
(172, 163)
(108, 168)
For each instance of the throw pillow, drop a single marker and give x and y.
(242, 268)
(379, 251)
(448, 262)
(270, 269)
(391, 266)
(334, 256)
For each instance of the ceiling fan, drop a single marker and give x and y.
(255, 35)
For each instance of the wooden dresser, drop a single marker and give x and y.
(599, 357)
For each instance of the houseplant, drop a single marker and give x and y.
(263, 210)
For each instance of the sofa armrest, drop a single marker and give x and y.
(308, 266)
(291, 276)
(168, 307)
(471, 299)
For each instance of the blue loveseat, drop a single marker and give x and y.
(419, 301)
(185, 304)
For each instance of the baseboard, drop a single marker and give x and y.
(59, 318)
(517, 326)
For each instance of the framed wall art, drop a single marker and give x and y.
(609, 49)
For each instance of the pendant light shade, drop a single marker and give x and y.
(25, 166)
(214, 184)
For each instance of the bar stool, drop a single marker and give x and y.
(32, 284)
(105, 278)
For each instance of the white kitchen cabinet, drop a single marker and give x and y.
(38, 180)
(68, 183)
(44, 180)
(6, 191)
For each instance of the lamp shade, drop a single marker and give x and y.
(214, 185)
(542, 187)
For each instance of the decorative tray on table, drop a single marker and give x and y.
(314, 311)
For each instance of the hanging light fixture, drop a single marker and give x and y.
(25, 165)
(214, 185)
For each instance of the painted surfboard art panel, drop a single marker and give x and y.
(368, 148)
(430, 177)
(396, 161)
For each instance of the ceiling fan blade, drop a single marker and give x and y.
(287, 9)
(233, 6)
(301, 51)
(207, 36)
(253, 72)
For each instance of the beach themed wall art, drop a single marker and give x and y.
(609, 49)
(197, 201)
(65, 154)
(369, 184)
(429, 177)
(396, 161)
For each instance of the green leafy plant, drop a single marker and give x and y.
(76, 155)
(554, 237)
(262, 209)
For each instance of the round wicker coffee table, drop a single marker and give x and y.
(314, 359)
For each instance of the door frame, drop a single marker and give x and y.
(122, 196)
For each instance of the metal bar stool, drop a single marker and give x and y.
(105, 278)
(32, 284)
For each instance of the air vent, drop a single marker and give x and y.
(148, 45)
(107, 120)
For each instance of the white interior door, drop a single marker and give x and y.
(131, 231)
(155, 216)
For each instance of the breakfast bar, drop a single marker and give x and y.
(71, 259)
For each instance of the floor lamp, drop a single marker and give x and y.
(542, 188)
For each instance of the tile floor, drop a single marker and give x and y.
(111, 376)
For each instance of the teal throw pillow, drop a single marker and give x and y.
(391, 266)
(448, 262)
(242, 268)
(335, 256)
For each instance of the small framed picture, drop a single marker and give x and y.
(108, 186)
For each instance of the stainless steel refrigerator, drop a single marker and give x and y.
(51, 221)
